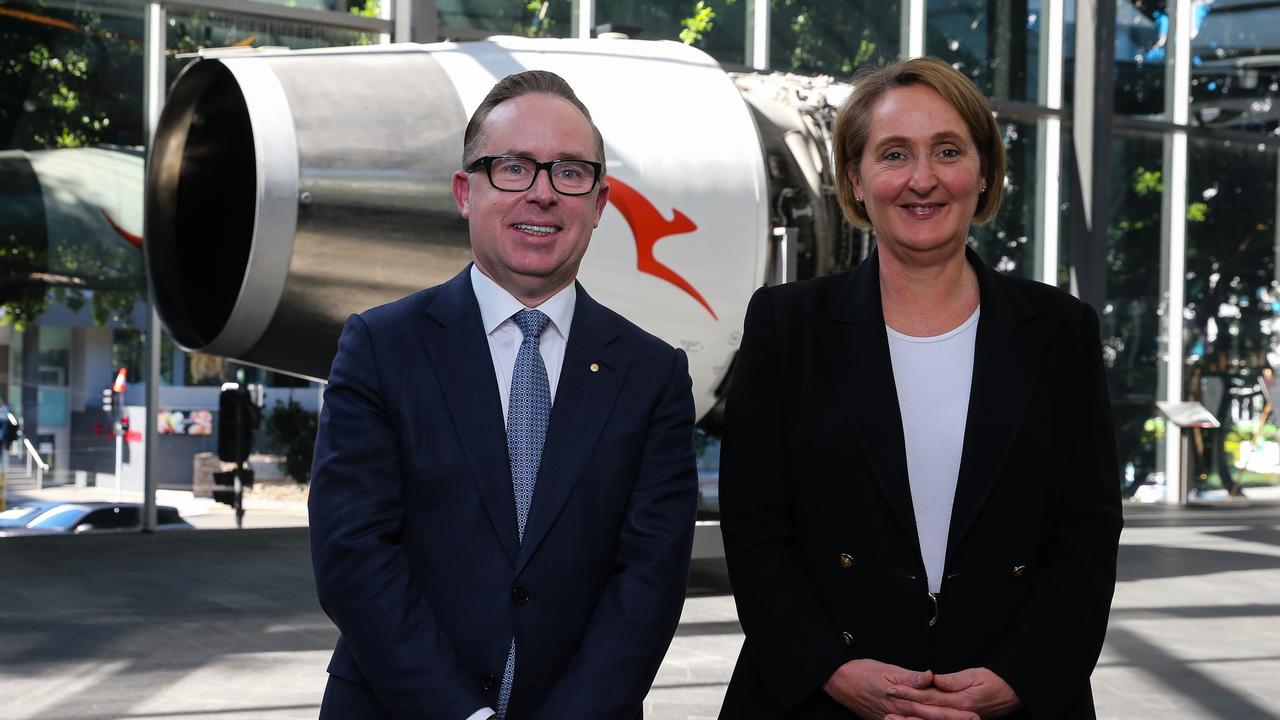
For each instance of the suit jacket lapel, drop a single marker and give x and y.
(584, 399)
(1007, 357)
(858, 350)
(454, 339)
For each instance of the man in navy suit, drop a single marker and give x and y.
(503, 501)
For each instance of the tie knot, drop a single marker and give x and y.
(531, 323)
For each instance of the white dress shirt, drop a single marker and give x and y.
(496, 308)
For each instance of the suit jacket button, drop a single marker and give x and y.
(1018, 572)
(847, 638)
(846, 561)
(520, 594)
(488, 683)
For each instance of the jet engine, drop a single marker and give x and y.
(286, 190)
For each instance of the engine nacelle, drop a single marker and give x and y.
(287, 190)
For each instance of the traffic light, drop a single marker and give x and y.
(108, 400)
(224, 487)
(238, 414)
(225, 490)
(237, 419)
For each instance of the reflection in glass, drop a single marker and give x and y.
(1008, 242)
(70, 209)
(530, 18)
(192, 30)
(716, 26)
(1235, 65)
(1232, 314)
(1131, 315)
(832, 37)
(1069, 175)
(995, 43)
(1142, 28)
(367, 8)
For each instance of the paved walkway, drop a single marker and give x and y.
(224, 624)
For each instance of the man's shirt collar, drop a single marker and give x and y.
(497, 305)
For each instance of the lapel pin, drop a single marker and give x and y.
(595, 367)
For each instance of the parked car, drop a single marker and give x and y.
(94, 517)
(24, 512)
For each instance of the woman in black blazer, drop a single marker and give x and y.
(919, 493)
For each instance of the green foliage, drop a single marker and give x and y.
(1151, 182)
(1146, 182)
(541, 23)
(830, 38)
(866, 51)
(370, 9)
(697, 25)
(293, 428)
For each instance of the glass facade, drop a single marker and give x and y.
(832, 37)
(71, 136)
(367, 8)
(715, 26)
(1130, 318)
(996, 43)
(73, 299)
(531, 18)
(1231, 318)
(72, 144)
(1142, 34)
(1235, 68)
(1008, 243)
(191, 30)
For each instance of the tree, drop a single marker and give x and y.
(294, 428)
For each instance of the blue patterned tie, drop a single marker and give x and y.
(528, 413)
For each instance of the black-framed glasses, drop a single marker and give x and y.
(512, 173)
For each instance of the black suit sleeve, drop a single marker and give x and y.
(789, 637)
(361, 569)
(636, 616)
(1065, 616)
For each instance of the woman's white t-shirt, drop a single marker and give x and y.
(933, 376)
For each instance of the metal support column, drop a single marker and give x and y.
(758, 34)
(414, 21)
(1173, 250)
(1049, 142)
(583, 14)
(153, 79)
(1094, 107)
(912, 29)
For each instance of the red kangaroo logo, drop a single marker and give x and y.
(649, 226)
(134, 240)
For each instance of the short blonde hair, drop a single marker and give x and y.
(853, 127)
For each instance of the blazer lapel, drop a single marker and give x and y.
(454, 339)
(584, 399)
(1007, 357)
(858, 350)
